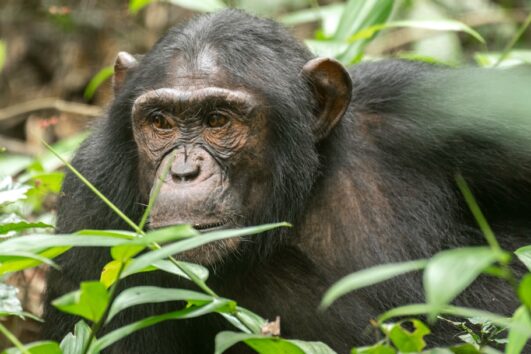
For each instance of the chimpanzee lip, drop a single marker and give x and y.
(209, 226)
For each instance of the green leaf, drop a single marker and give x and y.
(153, 294)
(15, 261)
(149, 258)
(368, 277)
(200, 6)
(189, 312)
(110, 273)
(253, 322)
(360, 14)
(464, 312)
(267, 344)
(11, 191)
(13, 222)
(167, 234)
(42, 347)
(89, 302)
(169, 267)
(329, 15)
(461, 349)
(43, 241)
(434, 25)
(524, 255)
(332, 49)
(524, 291)
(3, 54)
(96, 81)
(517, 339)
(380, 348)
(448, 273)
(123, 253)
(74, 343)
(9, 302)
(406, 341)
(137, 5)
(128, 235)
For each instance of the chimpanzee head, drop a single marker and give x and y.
(240, 105)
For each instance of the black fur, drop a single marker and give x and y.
(378, 189)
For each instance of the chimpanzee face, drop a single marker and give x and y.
(214, 135)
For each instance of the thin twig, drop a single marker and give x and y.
(13, 339)
(12, 115)
(512, 42)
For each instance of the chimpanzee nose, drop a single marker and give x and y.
(185, 171)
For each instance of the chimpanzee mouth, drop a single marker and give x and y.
(210, 226)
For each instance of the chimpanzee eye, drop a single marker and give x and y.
(216, 120)
(160, 122)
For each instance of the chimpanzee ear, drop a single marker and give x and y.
(332, 89)
(123, 63)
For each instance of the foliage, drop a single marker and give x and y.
(345, 31)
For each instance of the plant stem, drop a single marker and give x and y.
(477, 213)
(96, 326)
(13, 339)
(94, 189)
(513, 41)
(156, 190)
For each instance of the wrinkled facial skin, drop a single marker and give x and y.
(215, 135)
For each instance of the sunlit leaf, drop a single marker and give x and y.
(137, 5)
(380, 348)
(200, 6)
(406, 341)
(110, 272)
(253, 322)
(329, 15)
(15, 261)
(152, 294)
(517, 339)
(74, 343)
(524, 291)
(11, 191)
(360, 14)
(3, 54)
(169, 267)
(88, 302)
(149, 258)
(267, 344)
(524, 255)
(368, 277)
(42, 347)
(448, 273)
(13, 222)
(44, 241)
(96, 81)
(189, 312)
(9, 302)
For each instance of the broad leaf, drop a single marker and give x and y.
(110, 273)
(14, 261)
(9, 302)
(13, 222)
(267, 344)
(524, 255)
(524, 291)
(101, 76)
(368, 277)
(147, 259)
(448, 273)
(201, 6)
(517, 339)
(169, 267)
(406, 341)
(43, 347)
(189, 312)
(11, 191)
(152, 294)
(43, 241)
(380, 348)
(74, 343)
(89, 302)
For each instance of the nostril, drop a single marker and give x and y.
(186, 173)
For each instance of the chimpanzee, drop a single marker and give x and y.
(361, 162)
